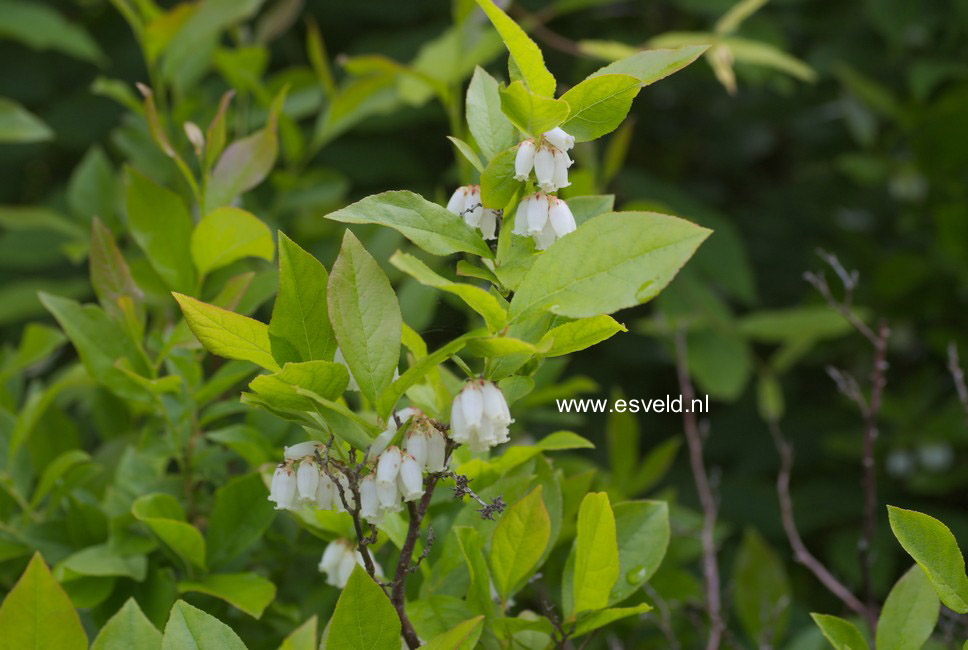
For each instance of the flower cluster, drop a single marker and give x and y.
(545, 218)
(480, 416)
(466, 202)
(299, 479)
(339, 559)
(548, 158)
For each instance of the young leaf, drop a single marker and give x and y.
(642, 534)
(467, 151)
(595, 620)
(935, 549)
(128, 628)
(579, 335)
(531, 112)
(227, 334)
(366, 317)
(599, 104)
(240, 516)
(364, 617)
(426, 224)
(476, 298)
(37, 613)
(842, 634)
(166, 519)
(518, 543)
(498, 184)
(249, 592)
(910, 613)
(324, 378)
(189, 628)
(526, 55)
(299, 329)
(648, 66)
(761, 591)
(492, 131)
(627, 258)
(17, 124)
(162, 226)
(463, 636)
(110, 275)
(226, 235)
(596, 553)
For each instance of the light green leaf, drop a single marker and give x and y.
(303, 637)
(761, 591)
(162, 226)
(596, 553)
(935, 549)
(249, 592)
(467, 151)
(56, 470)
(764, 54)
(128, 628)
(648, 66)
(240, 516)
(628, 258)
(364, 617)
(498, 184)
(492, 131)
(595, 620)
(189, 628)
(42, 28)
(103, 560)
(842, 634)
(166, 519)
(599, 104)
(226, 235)
(227, 334)
(426, 224)
(93, 187)
(586, 207)
(578, 335)
(110, 275)
(463, 636)
(299, 329)
(476, 298)
(909, 614)
(795, 323)
(532, 113)
(642, 534)
(324, 378)
(527, 57)
(17, 124)
(366, 317)
(518, 543)
(37, 615)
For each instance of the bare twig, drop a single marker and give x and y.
(352, 474)
(706, 499)
(664, 618)
(958, 376)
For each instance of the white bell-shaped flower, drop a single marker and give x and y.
(417, 442)
(560, 176)
(473, 209)
(340, 557)
(282, 490)
(537, 212)
(369, 500)
(559, 139)
(325, 493)
(410, 478)
(303, 450)
(388, 496)
(521, 216)
(524, 160)
(436, 452)
(488, 224)
(457, 201)
(307, 479)
(388, 466)
(480, 416)
(345, 568)
(332, 555)
(561, 218)
(544, 168)
(381, 442)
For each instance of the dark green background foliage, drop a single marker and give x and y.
(867, 160)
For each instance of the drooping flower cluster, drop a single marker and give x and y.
(545, 218)
(480, 416)
(339, 559)
(300, 480)
(548, 158)
(466, 202)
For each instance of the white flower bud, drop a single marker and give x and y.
(457, 201)
(562, 163)
(325, 493)
(307, 479)
(388, 495)
(436, 452)
(388, 465)
(282, 490)
(559, 139)
(369, 501)
(472, 403)
(524, 160)
(381, 442)
(417, 442)
(480, 416)
(537, 213)
(521, 216)
(488, 224)
(302, 450)
(473, 209)
(544, 168)
(411, 478)
(561, 218)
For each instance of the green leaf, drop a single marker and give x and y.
(492, 131)
(93, 187)
(599, 104)
(166, 519)
(935, 549)
(364, 617)
(17, 124)
(42, 28)
(128, 628)
(227, 334)
(532, 113)
(463, 636)
(642, 534)
(303, 637)
(56, 470)
(110, 275)
(648, 66)
(586, 207)
(498, 184)
(518, 543)
(324, 378)
(299, 329)
(761, 591)
(484, 303)
(909, 614)
(226, 235)
(37, 615)
(240, 516)
(579, 335)
(426, 224)
(628, 258)
(595, 620)
(162, 226)
(366, 317)
(103, 560)
(752, 52)
(526, 55)
(596, 553)
(842, 634)
(249, 592)
(189, 628)
(467, 151)
(795, 323)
